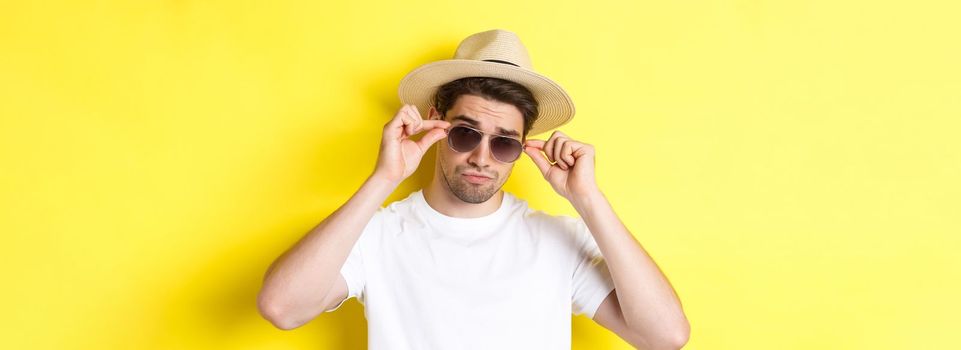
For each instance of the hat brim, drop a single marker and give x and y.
(555, 107)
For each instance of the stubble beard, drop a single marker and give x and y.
(468, 192)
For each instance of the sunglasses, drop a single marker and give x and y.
(505, 149)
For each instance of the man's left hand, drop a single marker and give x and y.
(568, 167)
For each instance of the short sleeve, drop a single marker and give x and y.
(353, 269)
(592, 280)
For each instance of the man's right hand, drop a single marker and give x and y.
(399, 155)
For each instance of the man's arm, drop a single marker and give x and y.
(650, 309)
(609, 316)
(648, 304)
(297, 283)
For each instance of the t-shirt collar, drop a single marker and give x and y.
(440, 220)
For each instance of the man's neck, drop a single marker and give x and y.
(439, 197)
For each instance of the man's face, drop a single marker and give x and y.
(491, 117)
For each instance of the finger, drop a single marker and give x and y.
(393, 128)
(414, 111)
(553, 147)
(559, 139)
(410, 121)
(558, 151)
(430, 138)
(539, 144)
(542, 164)
(549, 147)
(415, 117)
(434, 123)
(430, 125)
(406, 124)
(412, 124)
(567, 152)
(399, 117)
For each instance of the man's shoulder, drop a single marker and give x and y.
(570, 230)
(401, 204)
(547, 220)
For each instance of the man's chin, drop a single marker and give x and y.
(472, 193)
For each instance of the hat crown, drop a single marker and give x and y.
(495, 45)
(498, 54)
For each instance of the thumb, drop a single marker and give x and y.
(432, 136)
(538, 158)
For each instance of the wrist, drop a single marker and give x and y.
(382, 183)
(584, 200)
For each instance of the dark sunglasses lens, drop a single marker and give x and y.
(462, 139)
(506, 149)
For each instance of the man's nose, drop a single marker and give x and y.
(481, 154)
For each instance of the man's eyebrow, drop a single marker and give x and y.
(475, 123)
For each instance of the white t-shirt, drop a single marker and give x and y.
(508, 280)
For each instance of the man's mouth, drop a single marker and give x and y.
(476, 178)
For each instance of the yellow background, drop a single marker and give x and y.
(792, 166)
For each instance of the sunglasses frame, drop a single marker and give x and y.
(490, 140)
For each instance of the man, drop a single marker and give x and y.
(462, 264)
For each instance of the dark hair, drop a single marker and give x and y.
(505, 91)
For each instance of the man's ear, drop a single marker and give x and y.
(433, 114)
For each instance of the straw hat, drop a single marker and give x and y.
(493, 53)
